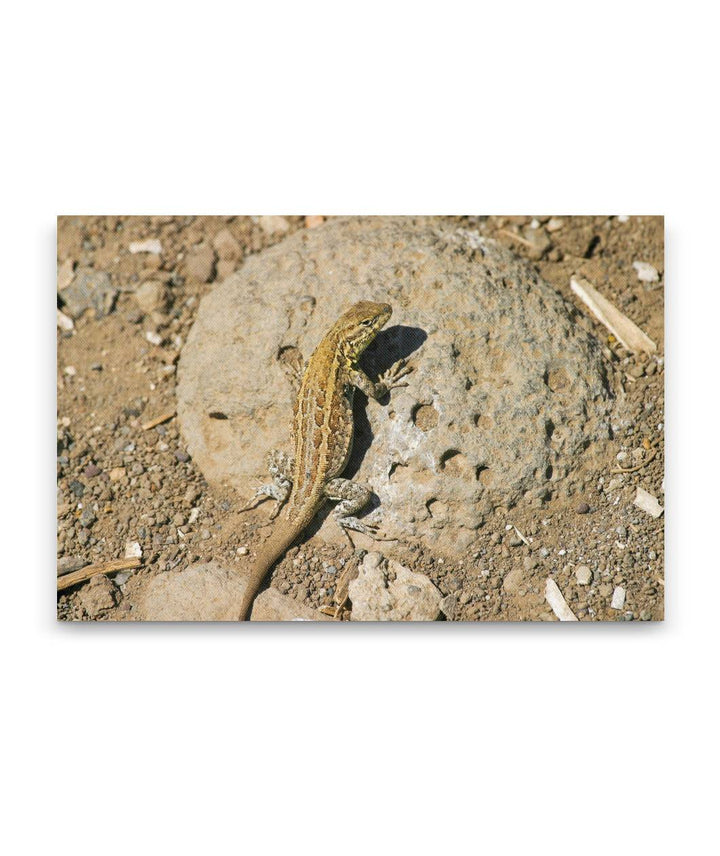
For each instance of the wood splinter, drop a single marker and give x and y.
(109, 567)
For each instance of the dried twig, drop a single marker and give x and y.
(518, 238)
(557, 602)
(109, 567)
(625, 330)
(638, 467)
(158, 420)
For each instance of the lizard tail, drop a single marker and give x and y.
(283, 537)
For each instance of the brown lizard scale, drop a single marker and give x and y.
(323, 427)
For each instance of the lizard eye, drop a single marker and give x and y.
(367, 322)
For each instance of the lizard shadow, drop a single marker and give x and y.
(390, 345)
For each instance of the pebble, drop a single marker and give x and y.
(242, 551)
(204, 534)
(618, 598)
(87, 518)
(117, 473)
(152, 296)
(227, 248)
(153, 337)
(77, 488)
(68, 564)
(646, 272)
(90, 289)
(150, 245)
(645, 615)
(133, 550)
(91, 470)
(65, 274)
(583, 575)
(271, 225)
(64, 322)
(648, 503)
(200, 262)
(182, 456)
(582, 508)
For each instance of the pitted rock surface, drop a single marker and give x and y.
(506, 393)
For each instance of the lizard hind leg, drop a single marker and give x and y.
(280, 466)
(352, 497)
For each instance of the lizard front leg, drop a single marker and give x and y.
(280, 466)
(352, 498)
(388, 380)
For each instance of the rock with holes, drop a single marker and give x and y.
(507, 396)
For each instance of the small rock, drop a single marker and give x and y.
(646, 272)
(77, 488)
(618, 598)
(512, 580)
(377, 597)
(152, 296)
(91, 470)
(582, 508)
(117, 473)
(648, 503)
(312, 221)
(68, 564)
(88, 518)
(200, 262)
(227, 248)
(583, 575)
(182, 456)
(153, 337)
(645, 615)
(70, 371)
(150, 245)
(64, 322)
(90, 289)
(99, 595)
(554, 224)
(271, 225)
(539, 241)
(65, 274)
(133, 550)
(448, 605)
(242, 551)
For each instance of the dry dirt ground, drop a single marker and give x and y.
(122, 483)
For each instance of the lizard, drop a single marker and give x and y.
(322, 440)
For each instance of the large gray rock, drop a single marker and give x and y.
(506, 391)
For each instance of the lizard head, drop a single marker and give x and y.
(360, 324)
